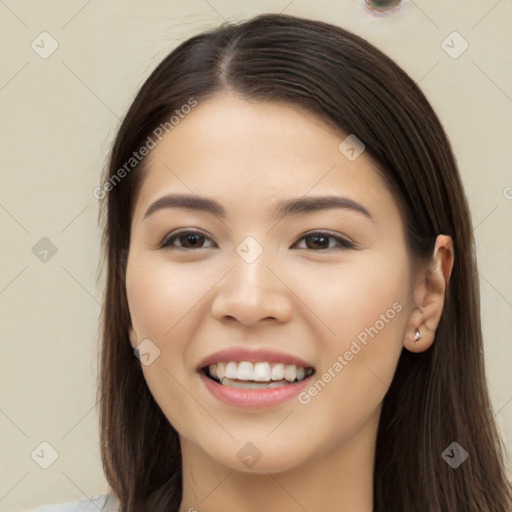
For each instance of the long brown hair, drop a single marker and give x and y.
(436, 397)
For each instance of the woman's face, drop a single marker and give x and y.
(324, 288)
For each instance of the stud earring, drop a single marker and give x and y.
(417, 335)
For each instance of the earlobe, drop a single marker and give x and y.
(428, 297)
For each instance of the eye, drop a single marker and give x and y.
(318, 240)
(321, 240)
(189, 239)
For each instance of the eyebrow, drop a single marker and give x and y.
(283, 209)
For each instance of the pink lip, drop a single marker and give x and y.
(253, 398)
(254, 356)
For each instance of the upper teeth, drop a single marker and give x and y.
(259, 372)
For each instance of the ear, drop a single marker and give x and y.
(428, 297)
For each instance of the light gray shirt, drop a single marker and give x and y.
(98, 503)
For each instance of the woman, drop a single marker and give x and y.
(290, 258)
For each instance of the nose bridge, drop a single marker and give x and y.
(250, 278)
(251, 291)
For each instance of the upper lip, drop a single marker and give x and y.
(253, 355)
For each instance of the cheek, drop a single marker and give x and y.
(365, 305)
(352, 296)
(159, 297)
(160, 303)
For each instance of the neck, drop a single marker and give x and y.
(340, 478)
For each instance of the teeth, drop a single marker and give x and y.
(262, 372)
(290, 372)
(278, 372)
(245, 373)
(232, 370)
(219, 369)
(250, 385)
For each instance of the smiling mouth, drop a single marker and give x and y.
(261, 375)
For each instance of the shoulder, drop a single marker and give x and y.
(103, 503)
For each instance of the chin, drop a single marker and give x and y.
(250, 459)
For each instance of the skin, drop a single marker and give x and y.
(296, 297)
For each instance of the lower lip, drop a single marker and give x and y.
(253, 398)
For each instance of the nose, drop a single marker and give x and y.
(253, 292)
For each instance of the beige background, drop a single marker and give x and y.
(59, 116)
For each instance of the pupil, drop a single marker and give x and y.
(316, 238)
(191, 238)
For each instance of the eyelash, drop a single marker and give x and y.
(343, 243)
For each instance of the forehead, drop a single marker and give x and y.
(252, 152)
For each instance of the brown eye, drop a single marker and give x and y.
(316, 240)
(322, 241)
(186, 240)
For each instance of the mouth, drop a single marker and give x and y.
(258, 375)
